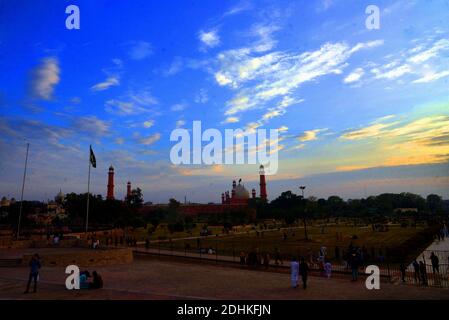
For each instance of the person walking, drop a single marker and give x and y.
(403, 270)
(416, 268)
(328, 269)
(294, 272)
(354, 266)
(304, 271)
(35, 265)
(423, 272)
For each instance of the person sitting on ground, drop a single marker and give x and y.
(84, 283)
(97, 281)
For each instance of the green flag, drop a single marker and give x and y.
(93, 161)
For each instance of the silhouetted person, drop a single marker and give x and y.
(97, 281)
(266, 260)
(147, 243)
(354, 266)
(35, 265)
(416, 268)
(435, 263)
(304, 271)
(403, 269)
(423, 272)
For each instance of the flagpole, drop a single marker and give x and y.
(88, 189)
(23, 187)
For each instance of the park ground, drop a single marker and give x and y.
(158, 278)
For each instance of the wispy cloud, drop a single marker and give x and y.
(148, 124)
(202, 97)
(44, 78)
(278, 74)
(92, 125)
(109, 82)
(140, 50)
(310, 135)
(209, 39)
(354, 76)
(178, 107)
(432, 76)
(231, 120)
(131, 103)
(150, 139)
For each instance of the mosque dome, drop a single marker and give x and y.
(241, 192)
(60, 196)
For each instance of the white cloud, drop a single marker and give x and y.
(310, 135)
(119, 141)
(354, 76)
(140, 50)
(209, 38)
(180, 123)
(202, 96)
(150, 139)
(278, 74)
(92, 125)
(44, 78)
(148, 124)
(231, 120)
(393, 73)
(132, 103)
(178, 107)
(109, 82)
(438, 46)
(432, 76)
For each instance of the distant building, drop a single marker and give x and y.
(236, 200)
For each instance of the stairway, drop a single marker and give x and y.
(11, 262)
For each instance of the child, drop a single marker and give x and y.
(328, 269)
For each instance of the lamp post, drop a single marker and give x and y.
(304, 213)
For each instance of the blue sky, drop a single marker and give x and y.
(360, 111)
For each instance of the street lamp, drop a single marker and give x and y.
(304, 213)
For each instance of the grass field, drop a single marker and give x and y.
(400, 243)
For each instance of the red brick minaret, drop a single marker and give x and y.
(263, 185)
(128, 190)
(110, 195)
(253, 193)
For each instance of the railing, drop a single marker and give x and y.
(389, 272)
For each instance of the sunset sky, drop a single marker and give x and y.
(360, 111)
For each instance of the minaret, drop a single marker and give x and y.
(253, 193)
(222, 198)
(128, 190)
(263, 185)
(110, 195)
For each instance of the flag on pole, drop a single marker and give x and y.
(93, 161)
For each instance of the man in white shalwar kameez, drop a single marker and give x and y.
(294, 271)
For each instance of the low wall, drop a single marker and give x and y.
(84, 258)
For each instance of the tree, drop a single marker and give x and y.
(135, 200)
(434, 202)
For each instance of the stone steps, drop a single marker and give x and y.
(13, 262)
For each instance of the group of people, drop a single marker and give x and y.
(299, 269)
(35, 265)
(96, 283)
(255, 258)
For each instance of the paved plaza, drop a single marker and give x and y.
(153, 278)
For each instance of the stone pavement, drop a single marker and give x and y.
(153, 278)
